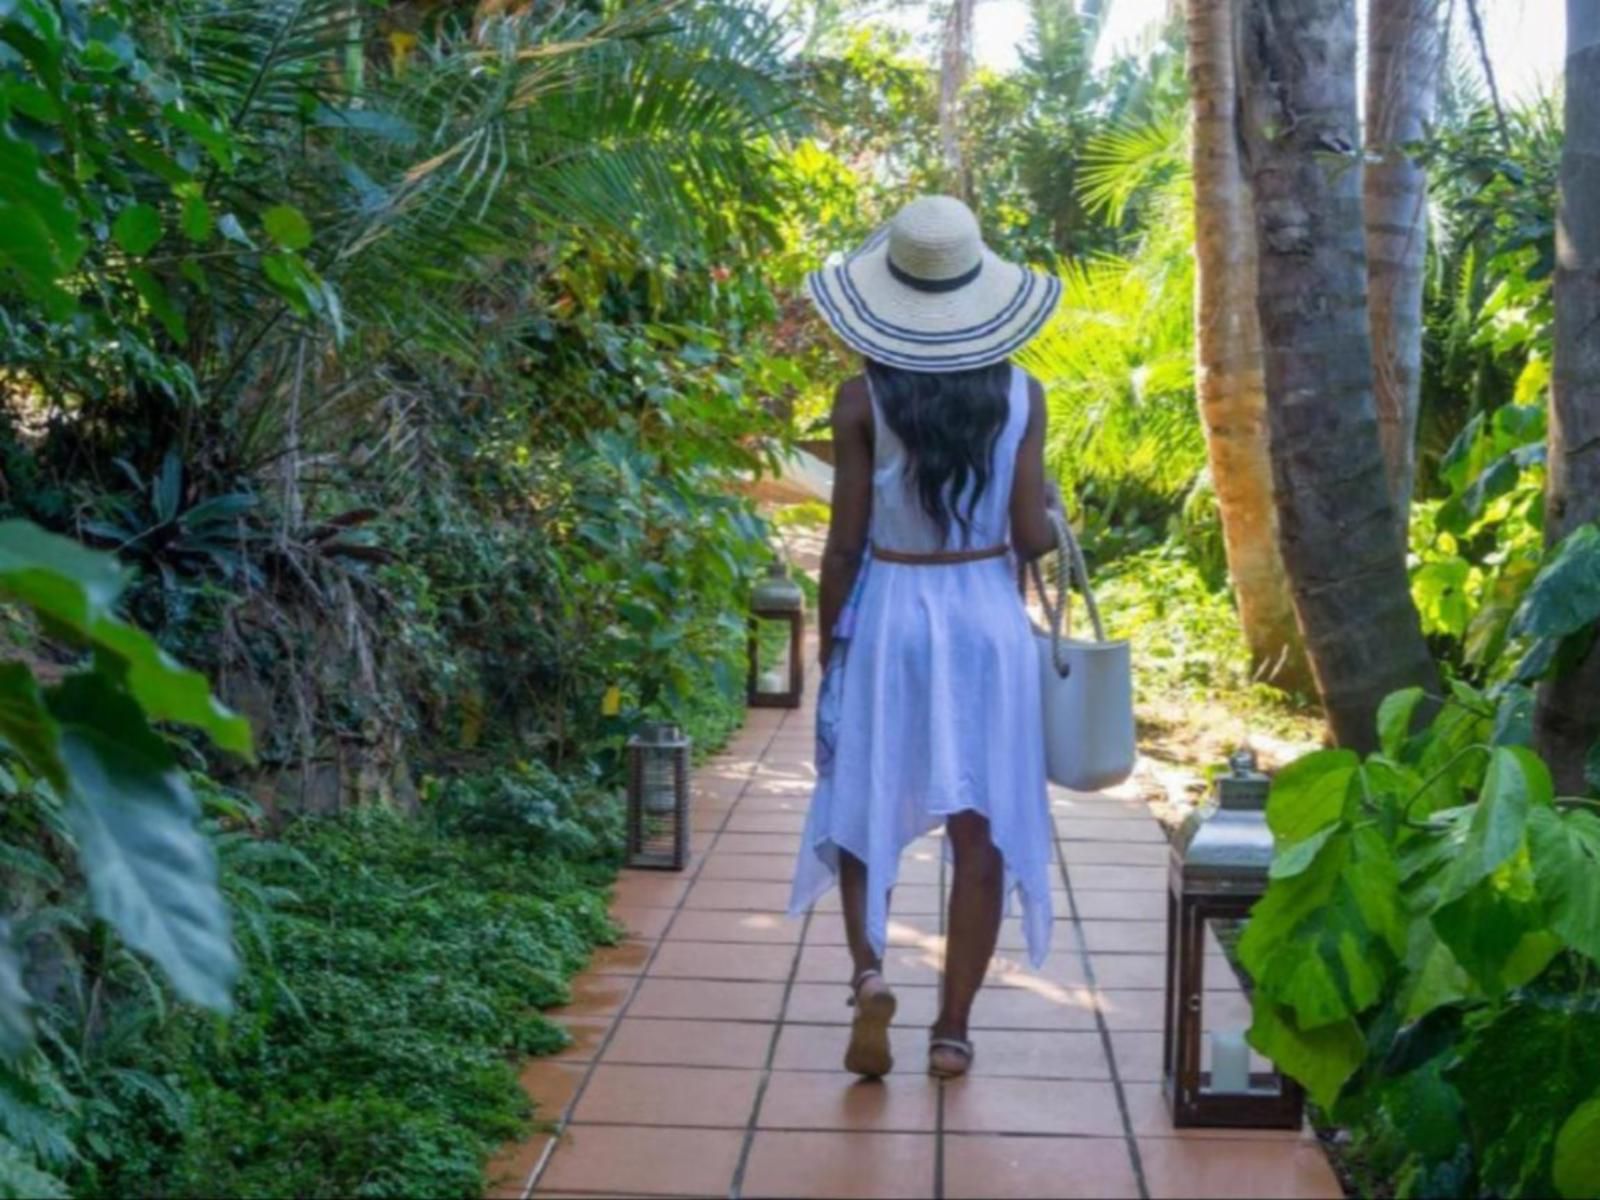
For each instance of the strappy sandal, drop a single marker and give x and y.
(868, 1054)
(949, 1046)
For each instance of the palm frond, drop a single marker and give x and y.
(1127, 161)
(631, 130)
(1118, 365)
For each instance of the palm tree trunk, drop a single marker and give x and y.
(955, 61)
(1405, 49)
(1340, 540)
(1228, 374)
(1567, 717)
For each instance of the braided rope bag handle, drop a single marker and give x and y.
(1069, 562)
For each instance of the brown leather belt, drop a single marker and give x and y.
(939, 558)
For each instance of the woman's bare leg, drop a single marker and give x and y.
(973, 927)
(853, 899)
(868, 1053)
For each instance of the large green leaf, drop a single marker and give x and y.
(1513, 716)
(1517, 780)
(1395, 715)
(26, 725)
(1433, 977)
(1310, 793)
(1426, 1111)
(1323, 940)
(1566, 863)
(150, 871)
(168, 691)
(76, 590)
(1565, 597)
(57, 577)
(16, 1015)
(1576, 1165)
(1320, 1059)
(1497, 928)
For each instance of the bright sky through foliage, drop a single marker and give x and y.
(1526, 37)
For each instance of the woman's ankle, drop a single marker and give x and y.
(864, 971)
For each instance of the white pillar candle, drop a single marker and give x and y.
(773, 682)
(1230, 1061)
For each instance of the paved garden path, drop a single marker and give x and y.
(707, 1047)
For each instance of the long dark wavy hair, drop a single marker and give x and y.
(949, 423)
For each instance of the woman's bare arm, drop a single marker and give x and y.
(1031, 493)
(852, 504)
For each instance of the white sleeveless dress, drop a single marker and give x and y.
(930, 703)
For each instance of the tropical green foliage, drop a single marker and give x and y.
(90, 766)
(1118, 362)
(408, 356)
(393, 980)
(1432, 928)
(396, 321)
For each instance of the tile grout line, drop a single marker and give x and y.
(1134, 1159)
(571, 1105)
(736, 1185)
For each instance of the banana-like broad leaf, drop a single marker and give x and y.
(151, 872)
(16, 1020)
(75, 589)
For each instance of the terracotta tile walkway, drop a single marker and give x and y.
(707, 1047)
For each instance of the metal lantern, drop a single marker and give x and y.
(1219, 870)
(778, 600)
(658, 797)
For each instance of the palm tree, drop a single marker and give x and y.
(1567, 719)
(955, 62)
(1337, 527)
(1405, 60)
(1228, 372)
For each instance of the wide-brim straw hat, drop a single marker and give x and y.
(926, 294)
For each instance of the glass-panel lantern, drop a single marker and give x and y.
(1219, 870)
(658, 797)
(777, 630)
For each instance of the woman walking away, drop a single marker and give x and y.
(930, 707)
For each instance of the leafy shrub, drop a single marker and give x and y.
(529, 803)
(374, 1048)
(1185, 633)
(91, 768)
(1424, 958)
(1476, 550)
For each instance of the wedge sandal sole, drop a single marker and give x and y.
(951, 1045)
(868, 1054)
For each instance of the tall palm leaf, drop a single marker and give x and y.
(1118, 366)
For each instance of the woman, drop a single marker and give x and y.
(929, 711)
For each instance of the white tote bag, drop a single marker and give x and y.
(1087, 687)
